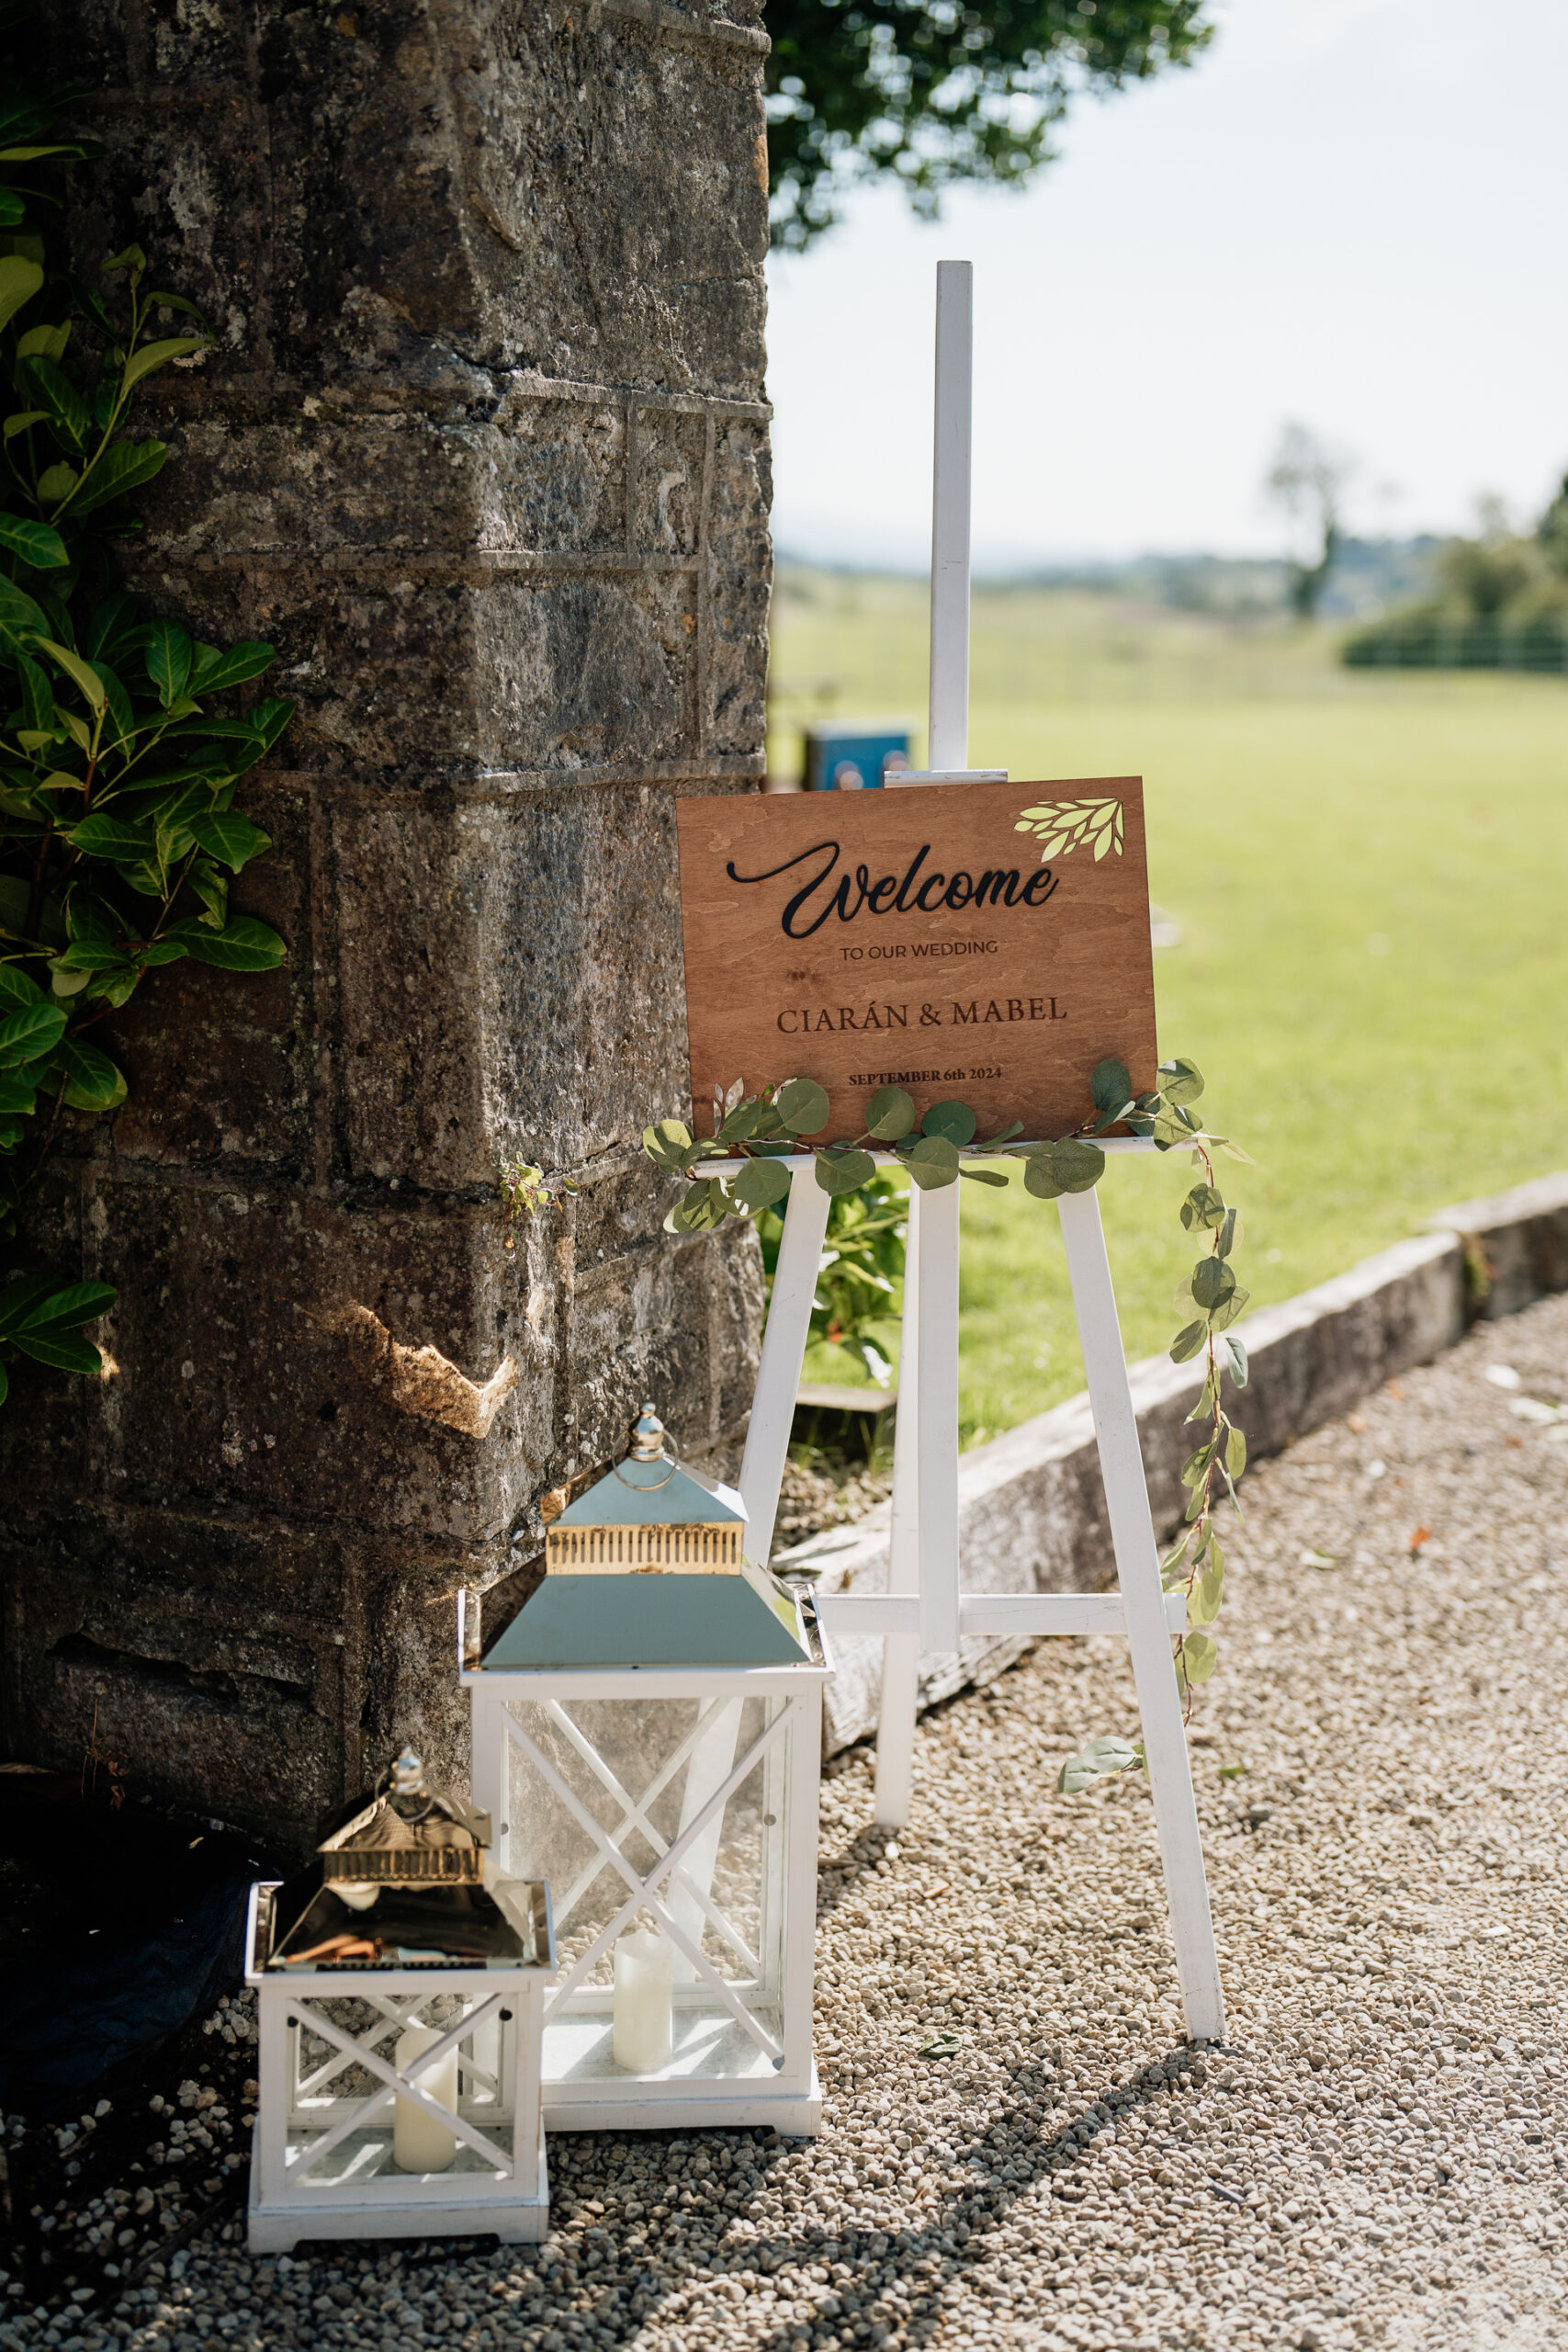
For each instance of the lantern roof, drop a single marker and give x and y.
(658, 1619)
(649, 1489)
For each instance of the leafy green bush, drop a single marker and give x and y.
(118, 835)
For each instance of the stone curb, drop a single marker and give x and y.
(1031, 1507)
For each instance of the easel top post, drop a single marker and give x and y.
(948, 741)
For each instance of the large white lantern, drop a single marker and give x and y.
(401, 1989)
(648, 1734)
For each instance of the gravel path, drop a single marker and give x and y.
(1377, 2156)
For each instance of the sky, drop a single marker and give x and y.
(1349, 212)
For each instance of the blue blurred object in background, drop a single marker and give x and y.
(854, 754)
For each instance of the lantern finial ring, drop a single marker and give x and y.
(649, 1436)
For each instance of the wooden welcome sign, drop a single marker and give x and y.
(984, 941)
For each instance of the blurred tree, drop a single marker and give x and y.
(1486, 574)
(1552, 530)
(1307, 479)
(928, 91)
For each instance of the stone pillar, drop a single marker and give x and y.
(482, 450)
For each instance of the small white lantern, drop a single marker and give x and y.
(402, 2006)
(648, 1734)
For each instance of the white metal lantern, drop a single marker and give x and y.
(648, 1734)
(400, 2005)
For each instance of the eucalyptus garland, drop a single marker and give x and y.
(762, 1132)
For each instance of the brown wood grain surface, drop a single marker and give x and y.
(919, 939)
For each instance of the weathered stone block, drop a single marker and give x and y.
(480, 449)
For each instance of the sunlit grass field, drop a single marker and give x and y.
(1370, 873)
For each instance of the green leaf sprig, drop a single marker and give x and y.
(1195, 1565)
(763, 1130)
(118, 835)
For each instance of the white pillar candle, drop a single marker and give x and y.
(645, 2002)
(419, 2142)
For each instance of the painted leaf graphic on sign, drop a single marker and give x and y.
(1064, 826)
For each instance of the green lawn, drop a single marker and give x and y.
(1372, 876)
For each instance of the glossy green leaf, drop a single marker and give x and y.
(16, 987)
(112, 837)
(59, 1310)
(80, 673)
(242, 946)
(29, 1033)
(890, 1115)
(62, 1351)
(92, 1083)
(32, 543)
(20, 281)
(167, 652)
(151, 355)
(22, 622)
(68, 418)
(212, 672)
(17, 1094)
(124, 467)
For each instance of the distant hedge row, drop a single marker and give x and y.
(1460, 641)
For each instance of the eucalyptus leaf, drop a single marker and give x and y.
(1111, 1086)
(1237, 1351)
(932, 1162)
(844, 1172)
(1228, 1309)
(1235, 1452)
(1213, 1283)
(982, 1176)
(803, 1106)
(1203, 1208)
(759, 1183)
(1100, 1759)
(890, 1115)
(952, 1122)
(1199, 1653)
(1181, 1081)
(1188, 1342)
(1204, 1599)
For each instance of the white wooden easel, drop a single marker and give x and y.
(925, 1607)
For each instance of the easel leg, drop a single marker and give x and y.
(936, 1422)
(902, 1651)
(785, 1336)
(1137, 1569)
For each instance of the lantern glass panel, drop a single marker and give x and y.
(593, 1778)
